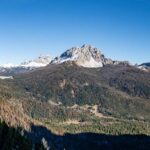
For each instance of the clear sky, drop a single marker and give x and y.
(120, 28)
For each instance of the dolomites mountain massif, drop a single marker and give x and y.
(85, 56)
(78, 101)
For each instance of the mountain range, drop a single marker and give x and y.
(10, 69)
(80, 100)
(85, 56)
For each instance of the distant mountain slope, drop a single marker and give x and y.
(41, 61)
(117, 90)
(10, 69)
(145, 66)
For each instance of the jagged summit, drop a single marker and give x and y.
(10, 69)
(41, 61)
(86, 56)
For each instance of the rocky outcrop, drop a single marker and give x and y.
(86, 56)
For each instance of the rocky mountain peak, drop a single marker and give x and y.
(38, 62)
(86, 56)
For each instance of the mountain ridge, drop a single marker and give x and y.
(86, 56)
(10, 69)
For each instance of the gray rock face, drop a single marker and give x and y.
(86, 56)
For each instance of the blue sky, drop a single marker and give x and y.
(119, 28)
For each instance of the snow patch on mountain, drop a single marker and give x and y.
(144, 66)
(41, 61)
(7, 65)
(10, 69)
(6, 77)
(92, 64)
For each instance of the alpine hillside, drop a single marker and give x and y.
(80, 100)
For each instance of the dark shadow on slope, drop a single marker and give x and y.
(11, 138)
(89, 141)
